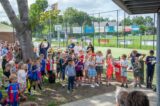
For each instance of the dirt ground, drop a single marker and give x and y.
(55, 94)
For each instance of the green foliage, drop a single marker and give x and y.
(73, 16)
(35, 12)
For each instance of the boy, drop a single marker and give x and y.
(137, 71)
(124, 66)
(150, 62)
(70, 72)
(13, 91)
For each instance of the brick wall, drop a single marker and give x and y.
(7, 36)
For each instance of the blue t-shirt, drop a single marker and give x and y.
(133, 56)
(43, 65)
(150, 61)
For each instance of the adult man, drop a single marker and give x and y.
(43, 50)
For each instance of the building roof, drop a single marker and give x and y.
(103, 24)
(5, 28)
(139, 6)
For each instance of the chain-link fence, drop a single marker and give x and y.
(106, 29)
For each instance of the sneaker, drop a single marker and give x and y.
(96, 84)
(92, 86)
(68, 91)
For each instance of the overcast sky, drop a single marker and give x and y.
(89, 6)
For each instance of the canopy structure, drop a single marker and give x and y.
(139, 6)
(144, 7)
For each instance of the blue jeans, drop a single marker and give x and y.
(71, 82)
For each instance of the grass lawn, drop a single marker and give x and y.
(136, 41)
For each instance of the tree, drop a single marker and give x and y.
(138, 20)
(127, 21)
(5, 23)
(73, 16)
(35, 11)
(23, 31)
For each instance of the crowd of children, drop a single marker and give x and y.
(80, 67)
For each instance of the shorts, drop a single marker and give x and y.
(58, 70)
(92, 72)
(137, 74)
(99, 69)
(124, 73)
(79, 74)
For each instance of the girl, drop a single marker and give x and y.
(86, 64)
(99, 66)
(22, 75)
(49, 64)
(79, 71)
(35, 78)
(43, 65)
(124, 66)
(91, 71)
(136, 71)
(109, 71)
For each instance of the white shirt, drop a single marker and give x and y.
(22, 76)
(99, 60)
(77, 49)
(124, 63)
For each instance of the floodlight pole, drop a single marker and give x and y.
(99, 29)
(117, 30)
(158, 59)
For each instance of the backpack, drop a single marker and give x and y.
(51, 78)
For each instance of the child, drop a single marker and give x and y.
(79, 71)
(49, 64)
(13, 67)
(99, 66)
(124, 66)
(13, 91)
(81, 55)
(136, 71)
(5, 77)
(22, 75)
(92, 71)
(86, 64)
(38, 63)
(43, 66)
(150, 62)
(4, 62)
(35, 77)
(70, 72)
(109, 71)
(50, 69)
(63, 64)
(58, 65)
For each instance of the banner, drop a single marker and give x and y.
(135, 28)
(109, 29)
(99, 29)
(89, 29)
(77, 30)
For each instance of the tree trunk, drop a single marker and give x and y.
(26, 45)
(23, 32)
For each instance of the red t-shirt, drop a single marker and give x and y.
(49, 65)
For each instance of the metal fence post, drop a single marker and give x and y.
(117, 31)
